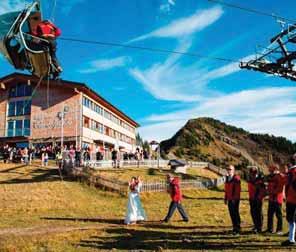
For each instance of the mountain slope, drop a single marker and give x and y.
(207, 139)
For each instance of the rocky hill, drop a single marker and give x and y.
(207, 139)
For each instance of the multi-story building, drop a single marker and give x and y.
(56, 112)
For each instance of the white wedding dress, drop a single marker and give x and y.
(135, 211)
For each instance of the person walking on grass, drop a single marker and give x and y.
(232, 198)
(176, 195)
(290, 189)
(257, 191)
(275, 190)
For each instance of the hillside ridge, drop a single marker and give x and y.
(210, 140)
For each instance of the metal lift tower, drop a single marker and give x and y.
(279, 57)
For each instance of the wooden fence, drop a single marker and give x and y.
(216, 169)
(103, 164)
(160, 186)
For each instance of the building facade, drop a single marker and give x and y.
(61, 112)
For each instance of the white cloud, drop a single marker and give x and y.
(265, 110)
(172, 2)
(224, 70)
(161, 131)
(168, 80)
(167, 6)
(11, 5)
(172, 81)
(105, 64)
(185, 26)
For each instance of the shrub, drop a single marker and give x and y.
(151, 171)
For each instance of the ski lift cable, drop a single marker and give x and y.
(34, 91)
(151, 49)
(254, 11)
(52, 16)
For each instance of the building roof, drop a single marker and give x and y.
(177, 163)
(82, 87)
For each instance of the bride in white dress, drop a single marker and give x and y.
(135, 211)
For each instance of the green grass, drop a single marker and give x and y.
(54, 210)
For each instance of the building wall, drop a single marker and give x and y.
(90, 135)
(47, 110)
(3, 110)
(46, 121)
(99, 118)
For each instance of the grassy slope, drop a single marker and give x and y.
(34, 197)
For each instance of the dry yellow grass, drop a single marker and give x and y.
(202, 173)
(145, 173)
(41, 213)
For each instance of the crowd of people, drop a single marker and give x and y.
(278, 186)
(78, 156)
(26, 155)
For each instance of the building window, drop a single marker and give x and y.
(86, 122)
(18, 128)
(26, 127)
(20, 90)
(27, 107)
(11, 109)
(10, 128)
(12, 92)
(101, 129)
(98, 109)
(19, 108)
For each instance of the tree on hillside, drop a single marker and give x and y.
(139, 140)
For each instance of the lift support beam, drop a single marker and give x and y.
(279, 57)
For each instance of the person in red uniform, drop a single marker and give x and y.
(275, 190)
(47, 30)
(232, 198)
(176, 195)
(257, 191)
(290, 190)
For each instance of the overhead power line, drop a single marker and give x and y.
(254, 11)
(151, 49)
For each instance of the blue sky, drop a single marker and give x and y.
(162, 91)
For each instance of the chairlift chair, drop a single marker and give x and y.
(22, 49)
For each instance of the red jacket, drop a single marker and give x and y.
(175, 191)
(232, 188)
(48, 30)
(256, 189)
(275, 188)
(291, 186)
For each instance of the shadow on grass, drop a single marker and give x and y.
(159, 225)
(12, 169)
(98, 220)
(37, 175)
(208, 198)
(132, 239)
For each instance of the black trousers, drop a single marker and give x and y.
(53, 50)
(256, 213)
(275, 208)
(172, 209)
(233, 207)
(291, 212)
(52, 46)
